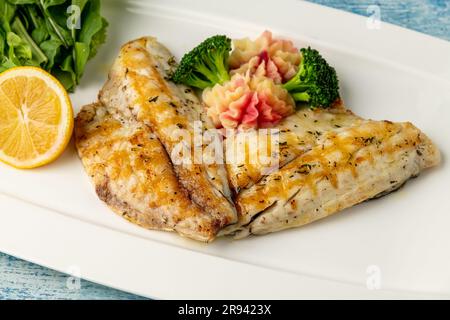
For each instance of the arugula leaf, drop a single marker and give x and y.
(37, 32)
(19, 50)
(76, 20)
(19, 2)
(55, 29)
(6, 64)
(32, 12)
(51, 48)
(50, 3)
(20, 30)
(7, 12)
(81, 53)
(66, 74)
(40, 34)
(92, 25)
(2, 43)
(98, 39)
(92, 22)
(80, 4)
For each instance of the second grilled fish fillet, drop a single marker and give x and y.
(138, 88)
(132, 173)
(334, 160)
(294, 136)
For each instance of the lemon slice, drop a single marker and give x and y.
(36, 117)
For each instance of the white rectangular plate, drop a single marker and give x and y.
(51, 215)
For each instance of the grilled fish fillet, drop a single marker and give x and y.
(133, 174)
(293, 136)
(138, 88)
(138, 95)
(330, 160)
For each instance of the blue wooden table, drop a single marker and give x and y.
(23, 280)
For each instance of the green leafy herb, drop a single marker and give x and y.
(59, 36)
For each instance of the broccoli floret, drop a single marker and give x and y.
(316, 82)
(206, 64)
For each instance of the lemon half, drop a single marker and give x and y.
(36, 117)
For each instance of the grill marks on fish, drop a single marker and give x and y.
(347, 165)
(147, 63)
(133, 174)
(193, 199)
(297, 135)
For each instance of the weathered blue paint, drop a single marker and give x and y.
(428, 16)
(23, 280)
(20, 279)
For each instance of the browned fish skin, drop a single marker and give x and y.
(138, 88)
(132, 173)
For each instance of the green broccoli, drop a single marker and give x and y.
(316, 81)
(206, 64)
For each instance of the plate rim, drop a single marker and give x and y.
(218, 273)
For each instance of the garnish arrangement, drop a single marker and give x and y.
(268, 76)
(44, 48)
(132, 140)
(139, 142)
